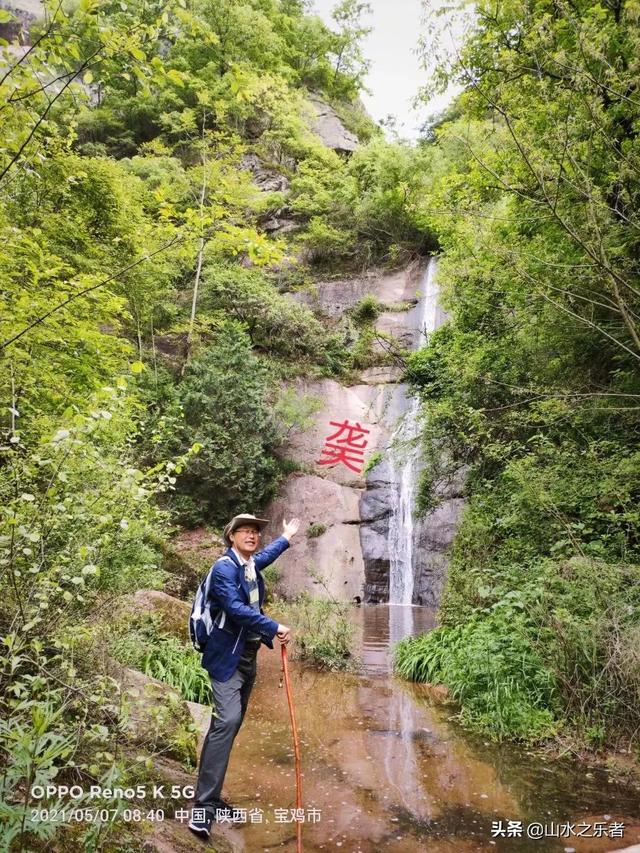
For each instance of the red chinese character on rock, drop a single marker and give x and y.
(346, 445)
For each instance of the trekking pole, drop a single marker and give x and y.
(296, 745)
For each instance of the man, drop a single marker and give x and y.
(239, 628)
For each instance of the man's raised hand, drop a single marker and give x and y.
(290, 528)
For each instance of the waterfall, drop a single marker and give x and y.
(404, 459)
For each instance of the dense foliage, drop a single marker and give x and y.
(323, 630)
(161, 186)
(150, 153)
(534, 383)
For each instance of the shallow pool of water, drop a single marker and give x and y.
(387, 770)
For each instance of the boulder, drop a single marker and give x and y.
(187, 558)
(173, 612)
(328, 126)
(201, 716)
(280, 225)
(154, 715)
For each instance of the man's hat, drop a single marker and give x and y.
(239, 520)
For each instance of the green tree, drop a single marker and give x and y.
(533, 385)
(223, 398)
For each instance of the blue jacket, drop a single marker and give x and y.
(231, 612)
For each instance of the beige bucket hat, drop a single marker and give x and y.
(239, 520)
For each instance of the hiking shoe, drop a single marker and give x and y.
(201, 828)
(223, 804)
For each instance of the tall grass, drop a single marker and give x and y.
(501, 684)
(178, 666)
(140, 643)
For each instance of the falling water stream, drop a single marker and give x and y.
(404, 455)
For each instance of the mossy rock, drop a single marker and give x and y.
(173, 613)
(157, 718)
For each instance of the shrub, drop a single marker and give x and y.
(373, 349)
(271, 576)
(325, 244)
(323, 631)
(376, 457)
(273, 321)
(224, 400)
(585, 626)
(316, 529)
(367, 310)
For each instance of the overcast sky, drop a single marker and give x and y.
(395, 74)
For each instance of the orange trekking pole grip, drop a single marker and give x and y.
(296, 745)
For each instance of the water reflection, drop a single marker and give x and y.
(389, 771)
(383, 625)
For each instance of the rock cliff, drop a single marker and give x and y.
(344, 543)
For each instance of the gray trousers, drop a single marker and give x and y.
(230, 700)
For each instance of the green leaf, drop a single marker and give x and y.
(176, 77)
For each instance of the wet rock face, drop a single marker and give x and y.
(433, 536)
(352, 552)
(375, 510)
(335, 297)
(375, 552)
